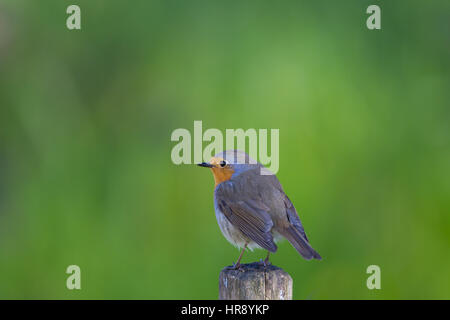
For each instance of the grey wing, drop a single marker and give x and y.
(279, 197)
(293, 217)
(249, 216)
(296, 235)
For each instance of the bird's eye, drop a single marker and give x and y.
(223, 163)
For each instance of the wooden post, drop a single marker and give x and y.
(253, 281)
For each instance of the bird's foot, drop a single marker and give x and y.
(264, 262)
(236, 266)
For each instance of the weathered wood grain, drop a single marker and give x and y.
(254, 281)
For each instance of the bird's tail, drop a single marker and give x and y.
(300, 243)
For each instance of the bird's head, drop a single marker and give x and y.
(227, 164)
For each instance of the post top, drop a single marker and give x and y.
(252, 267)
(254, 281)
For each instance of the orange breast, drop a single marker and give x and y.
(221, 175)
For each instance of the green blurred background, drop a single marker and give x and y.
(86, 118)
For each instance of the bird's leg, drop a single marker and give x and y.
(265, 262)
(238, 263)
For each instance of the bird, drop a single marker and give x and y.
(251, 207)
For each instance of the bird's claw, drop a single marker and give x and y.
(236, 266)
(264, 262)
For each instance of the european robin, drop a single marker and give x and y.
(251, 207)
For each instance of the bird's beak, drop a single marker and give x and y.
(205, 164)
